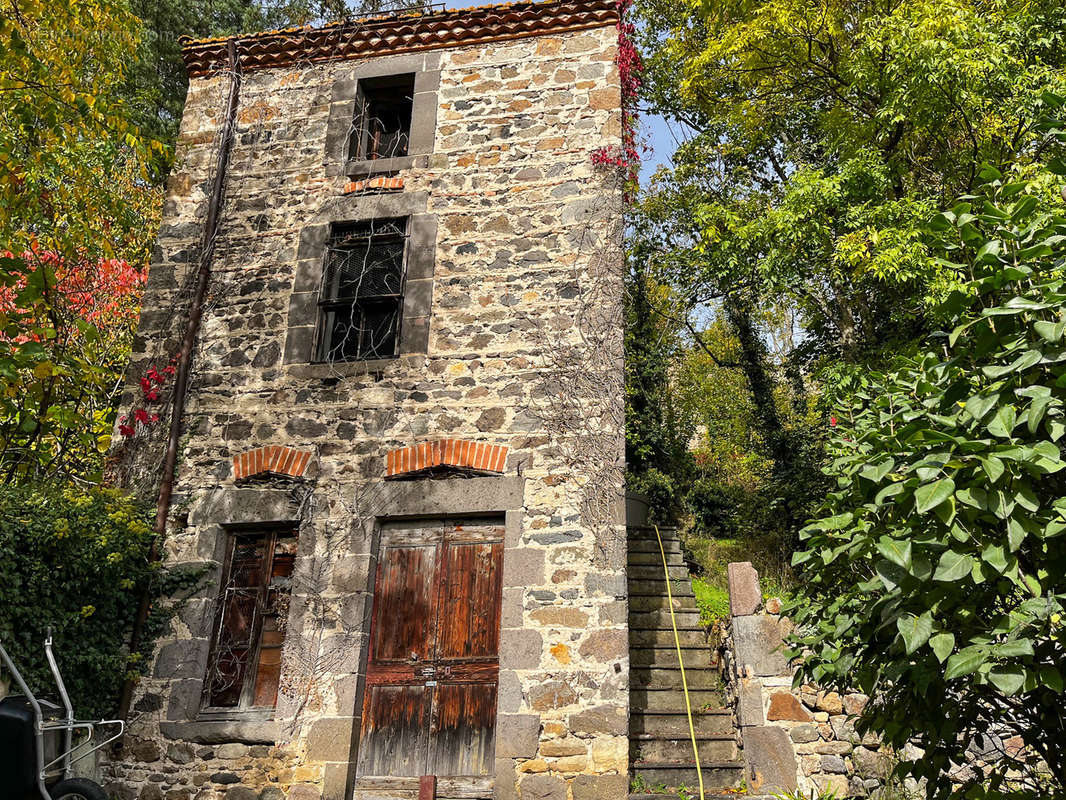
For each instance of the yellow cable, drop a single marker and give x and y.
(677, 643)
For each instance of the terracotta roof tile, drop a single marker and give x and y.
(398, 33)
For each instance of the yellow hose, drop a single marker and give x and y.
(677, 643)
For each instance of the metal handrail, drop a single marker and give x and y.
(91, 728)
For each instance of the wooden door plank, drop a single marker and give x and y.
(471, 588)
(395, 731)
(464, 740)
(404, 605)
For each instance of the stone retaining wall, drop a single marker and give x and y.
(805, 738)
(802, 738)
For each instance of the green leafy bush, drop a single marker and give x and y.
(75, 559)
(936, 578)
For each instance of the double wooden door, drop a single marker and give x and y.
(429, 707)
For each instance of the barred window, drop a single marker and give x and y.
(382, 125)
(245, 664)
(362, 291)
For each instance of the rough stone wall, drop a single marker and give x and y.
(801, 738)
(804, 738)
(524, 350)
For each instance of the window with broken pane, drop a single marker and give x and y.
(382, 124)
(362, 291)
(245, 665)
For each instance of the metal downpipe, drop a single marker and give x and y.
(188, 344)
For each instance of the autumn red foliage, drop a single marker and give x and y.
(105, 293)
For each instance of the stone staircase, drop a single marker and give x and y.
(660, 747)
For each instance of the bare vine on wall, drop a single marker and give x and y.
(578, 398)
(329, 616)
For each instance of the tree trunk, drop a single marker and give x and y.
(753, 363)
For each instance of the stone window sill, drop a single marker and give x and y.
(251, 729)
(348, 369)
(362, 169)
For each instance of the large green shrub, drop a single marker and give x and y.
(75, 559)
(936, 578)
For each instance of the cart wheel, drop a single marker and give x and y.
(77, 789)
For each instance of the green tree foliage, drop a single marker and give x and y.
(71, 165)
(694, 441)
(824, 135)
(936, 577)
(819, 140)
(77, 215)
(657, 427)
(76, 561)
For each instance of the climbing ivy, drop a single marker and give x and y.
(75, 560)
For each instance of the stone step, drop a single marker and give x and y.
(657, 638)
(716, 774)
(673, 699)
(655, 571)
(670, 678)
(655, 559)
(660, 620)
(667, 656)
(675, 723)
(644, 602)
(637, 531)
(657, 585)
(676, 593)
(721, 747)
(652, 545)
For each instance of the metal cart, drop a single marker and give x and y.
(37, 741)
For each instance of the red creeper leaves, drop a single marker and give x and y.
(630, 70)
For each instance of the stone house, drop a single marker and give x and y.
(401, 450)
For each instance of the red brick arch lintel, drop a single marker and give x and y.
(272, 458)
(460, 453)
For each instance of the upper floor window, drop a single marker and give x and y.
(382, 125)
(361, 299)
(245, 665)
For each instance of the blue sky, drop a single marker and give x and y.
(661, 141)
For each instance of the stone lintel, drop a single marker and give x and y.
(232, 506)
(454, 496)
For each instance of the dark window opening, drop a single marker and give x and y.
(362, 291)
(245, 666)
(382, 126)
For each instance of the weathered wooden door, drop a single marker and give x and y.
(430, 702)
